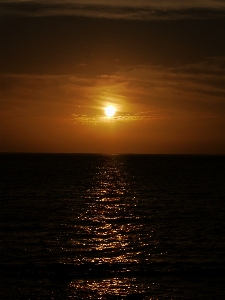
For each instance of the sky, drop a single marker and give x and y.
(161, 64)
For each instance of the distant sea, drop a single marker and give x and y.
(91, 226)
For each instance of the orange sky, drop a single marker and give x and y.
(162, 67)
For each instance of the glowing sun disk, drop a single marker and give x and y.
(110, 111)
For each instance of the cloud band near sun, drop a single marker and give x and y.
(97, 120)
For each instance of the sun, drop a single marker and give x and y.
(110, 111)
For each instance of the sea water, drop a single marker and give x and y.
(91, 226)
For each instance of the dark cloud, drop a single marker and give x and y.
(147, 13)
(72, 45)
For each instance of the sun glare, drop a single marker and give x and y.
(110, 111)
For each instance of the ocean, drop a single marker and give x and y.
(92, 226)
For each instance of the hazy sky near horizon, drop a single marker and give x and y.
(161, 64)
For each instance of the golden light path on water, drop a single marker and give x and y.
(108, 230)
(109, 233)
(116, 287)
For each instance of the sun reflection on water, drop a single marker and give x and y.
(116, 287)
(106, 227)
(110, 238)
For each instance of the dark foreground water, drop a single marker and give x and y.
(112, 227)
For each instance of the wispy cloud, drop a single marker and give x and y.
(130, 3)
(141, 93)
(141, 10)
(98, 119)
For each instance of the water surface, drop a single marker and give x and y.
(112, 226)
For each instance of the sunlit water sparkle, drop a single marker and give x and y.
(112, 227)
